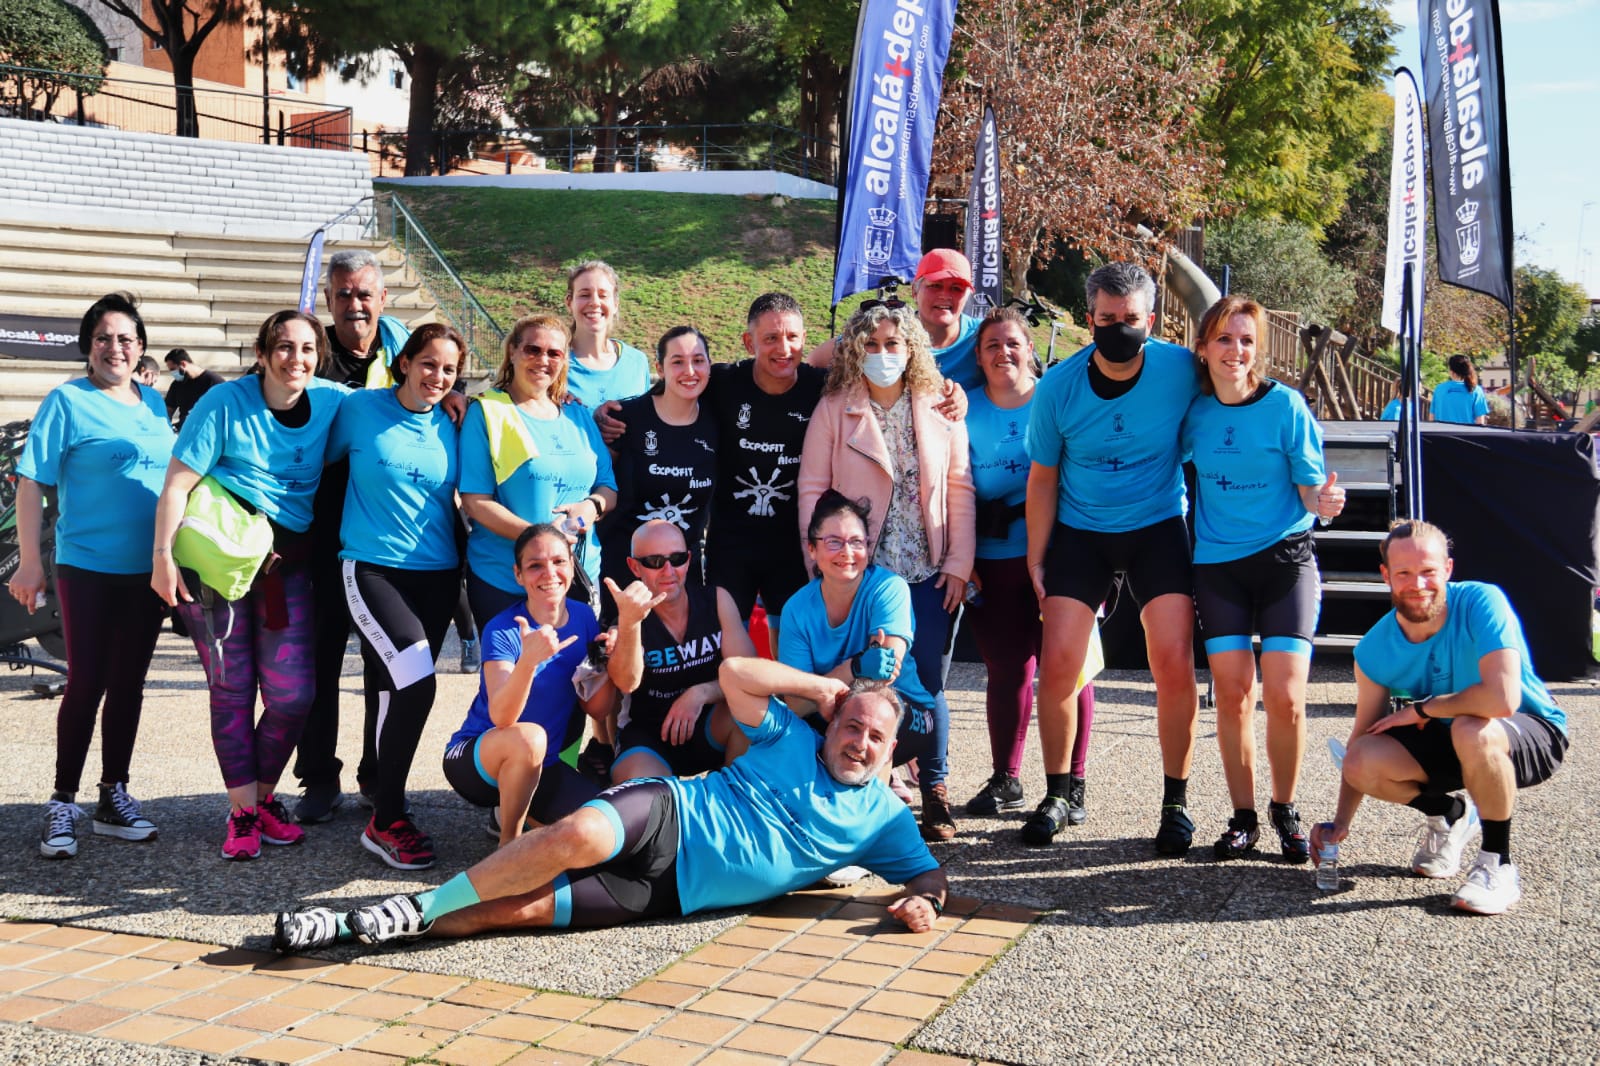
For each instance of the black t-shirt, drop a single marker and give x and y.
(759, 454)
(673, 666)
(183, 394)
(663, 471)
(346, 367)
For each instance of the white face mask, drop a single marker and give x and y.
(177, 375)
(883, 369)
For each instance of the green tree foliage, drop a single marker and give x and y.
(818, 37)
(1549, 311)
(181, 26)
(49, 35)
(1301, 101)
(1278, 264)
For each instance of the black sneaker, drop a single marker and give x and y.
(1236, 841)
(1286, 820)
(318, 802)
(59, 837)
(1002, 793)
(1077, 812)
(1176, 831)
(1047, 819)
(595, 760)
(118, 815)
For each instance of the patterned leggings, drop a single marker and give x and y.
(276, 660)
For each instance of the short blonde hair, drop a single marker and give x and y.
(513, 342)
(922, 373)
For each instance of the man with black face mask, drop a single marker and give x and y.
(1106, 496)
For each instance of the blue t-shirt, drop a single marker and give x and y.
(1454, 402)
(1248, 458)
(997, 438)
(572, 463)
(959, 361)
(883, 601)
(232, 435)
(775, 821)
(106, 461)
(1391, 411)
(1478, 620)
(1117, 459)
(627, 377)
(399, 505)
(551, 698)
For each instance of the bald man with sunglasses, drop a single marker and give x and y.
(672, 635)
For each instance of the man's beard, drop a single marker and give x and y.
(1416, 613)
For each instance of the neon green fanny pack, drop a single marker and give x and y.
(220, 540)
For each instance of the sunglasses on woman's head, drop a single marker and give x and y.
(656, 562)
(893, 303)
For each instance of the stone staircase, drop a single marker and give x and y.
(201, 291)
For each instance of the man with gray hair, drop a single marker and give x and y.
(361, 343)
(1106, 497)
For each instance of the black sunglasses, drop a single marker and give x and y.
(893, 303)
(656, 562)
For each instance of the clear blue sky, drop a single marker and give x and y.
(1551, 50)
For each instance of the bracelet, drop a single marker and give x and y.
(938, 907)
(599, 504)
(1417, 705)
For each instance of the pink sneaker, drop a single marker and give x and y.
(244, 835)
(402, 845)
(276, 826)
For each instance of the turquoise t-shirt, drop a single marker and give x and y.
(1454, 402)
(1391, 411)
(997, 438)
(107, 461)
(775, 820)
(1118, 459)
(1478, 620)
(551, 697)
(1248, 460)
(883, 601)
(572, 463)
(959, 361)
(232, 435)
(399, 506)
(628, 377)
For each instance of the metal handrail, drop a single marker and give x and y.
(476, 325)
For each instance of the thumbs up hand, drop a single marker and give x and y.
(1330, 498)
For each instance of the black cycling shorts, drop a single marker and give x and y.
(560, 791)
(1276, 592)
(1081, 564)
(1537, 748)
(697, 755)
(640, 879)
(774, 572)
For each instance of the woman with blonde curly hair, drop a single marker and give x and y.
(876, 436)
(528, 456)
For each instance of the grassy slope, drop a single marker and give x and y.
(682, 258)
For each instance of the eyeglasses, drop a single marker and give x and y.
(893, 303)
(838, 544)
(656, 562)
(534, 351)
(107, 341)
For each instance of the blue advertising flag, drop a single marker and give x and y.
(1464, 84)
(895, 79)
(982, 242)
(311, 272)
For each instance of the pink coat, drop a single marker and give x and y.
(845, 450)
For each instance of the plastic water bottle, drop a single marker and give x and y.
(1327, 862)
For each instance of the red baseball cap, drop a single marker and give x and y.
(944, 263)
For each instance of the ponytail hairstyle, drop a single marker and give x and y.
(1462, 368)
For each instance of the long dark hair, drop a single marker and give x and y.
(423, 336)
(1462, 368)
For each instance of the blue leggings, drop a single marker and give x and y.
(932, 624)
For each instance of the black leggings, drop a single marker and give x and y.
(110, 622)
(401, 616)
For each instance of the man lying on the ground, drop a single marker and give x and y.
(795, 807)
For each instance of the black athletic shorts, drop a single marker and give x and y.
(1275, 592)
(697, 755)
(1081, 564)
(1537, 748)
(747, 570)
(640, 879)
(561, 789)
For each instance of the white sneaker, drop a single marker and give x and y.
(846, 875)
(1493, 887)
(1441, 844)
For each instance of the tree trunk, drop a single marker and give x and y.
(605, 137)
(425, 65)
(187, 114)
(822, 86)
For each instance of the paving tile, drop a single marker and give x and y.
(538, 1056)
(138, 997)
(121, 944)
(474, 1050)
(800, 904)
(962, 905)
(858, 973)
(993, 927)
(357, 975)
(213, 1039)
(923, 1058)
(905, 938)
(382, 1005)
(1005, 912)
(793, 965)
(828, 947)
(951, 962)
(299, 967)
(269, 1017)
(289, 1049)
(23, 954)
(456, 1016)
(67, 962)
(760, 983)
(654, 1051)
(21, 980)
(727, 1057)
(557, 1005)
(974, 945)
(781, 1041)
(238, 959)
(904, 1004)
(406, 1041)
(148, 1029)
(730, 1004)
(943, 985)
(72, 989)
(662, 993)
(188, 978)
(523, 1027)
(844, 1051)
(748, 936)
(883, 954)
(782, 924)
(715, 954)
(426, 985)
(83, 1017)
(176, 951)
(858, 908)
(202, 1006)
(632, 1016)
(490, 995)
(318, 995)
(22, 930)
(586, 1040)
(877, 1027)
(24, 1008)
(812, 1017)
(337, 1028)
(697, 1028)
(354, 1057)
(65, 936)
(130, 969)
(697, 974)
(252, 986)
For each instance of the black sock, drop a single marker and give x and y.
(1058, 785)
(1174, 791)
(1434, 805)
(1497, 837)
(1245, 818)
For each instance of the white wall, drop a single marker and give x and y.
(373, 100)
